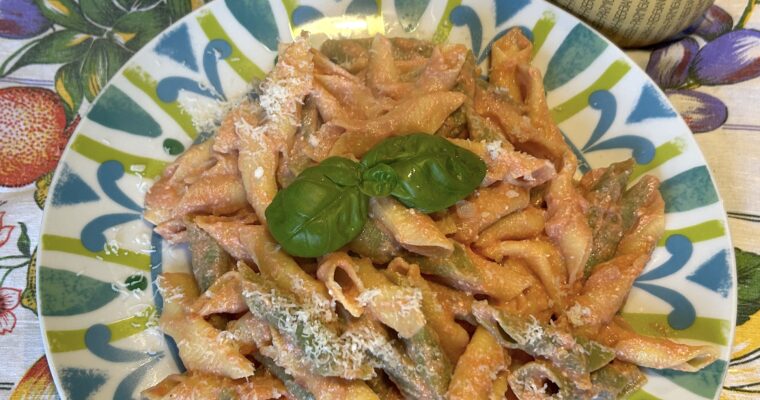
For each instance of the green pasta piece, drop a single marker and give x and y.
(604, 212)
(532, 381)
(298, 160)
(294, 389)
(383, 387)
(479, 128)
(209, 260)
(455, 125)
(617, 380)
(428, 357)
(302, 325)
(424, 348)
(456, 270)
(374, 243)
(534, 338)
(637, 197)
(598, 355)
(391, 358)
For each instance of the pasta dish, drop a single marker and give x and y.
(378, 219)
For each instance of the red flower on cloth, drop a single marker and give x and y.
(5, 230)
(9, 299)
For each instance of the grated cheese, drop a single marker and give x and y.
(258, 172)
(494, 149)
(314, 141)
(368, 296)
(577, 314)
(534, 333)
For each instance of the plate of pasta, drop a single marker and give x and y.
(436, 199)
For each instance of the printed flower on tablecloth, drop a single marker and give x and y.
(91, 40)
(725, 55)
(5, 230)
(9, 299)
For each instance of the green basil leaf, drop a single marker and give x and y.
(433, 172)
(379, 181)
(341, 171)
(321, 211)
(58, 47)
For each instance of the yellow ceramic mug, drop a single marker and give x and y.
(631, 23)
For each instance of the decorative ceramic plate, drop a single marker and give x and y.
(99, 259)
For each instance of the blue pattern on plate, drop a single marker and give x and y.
(81, 383)
(72, 189)
(650, 105)
(362, 7)
(177, 45)
(116, 110)
(683, 314)
(579, 48)
(714, 274)
(689, 190)
(257, 17)
(507, 9)
(304, 14)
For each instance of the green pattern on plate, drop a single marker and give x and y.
(711, 330)
(143, 81)
(101, 153)
(71, 340)
(74, 246)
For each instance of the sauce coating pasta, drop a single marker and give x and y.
(513, 291)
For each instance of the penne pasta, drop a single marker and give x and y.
(477, 371)
(413, 230)
(654, 352)
(485, 207)
(510, 289)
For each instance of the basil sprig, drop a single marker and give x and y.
(325, 207)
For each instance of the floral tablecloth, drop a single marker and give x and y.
(56, 55)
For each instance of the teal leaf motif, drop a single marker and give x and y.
(118, 111)
(67, 293)
(579, 49)
(362, 7)
(257, 18)
(688, 190)
(409, 12)
(704, 382)
(748, 277)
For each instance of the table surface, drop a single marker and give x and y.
(724, 118)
